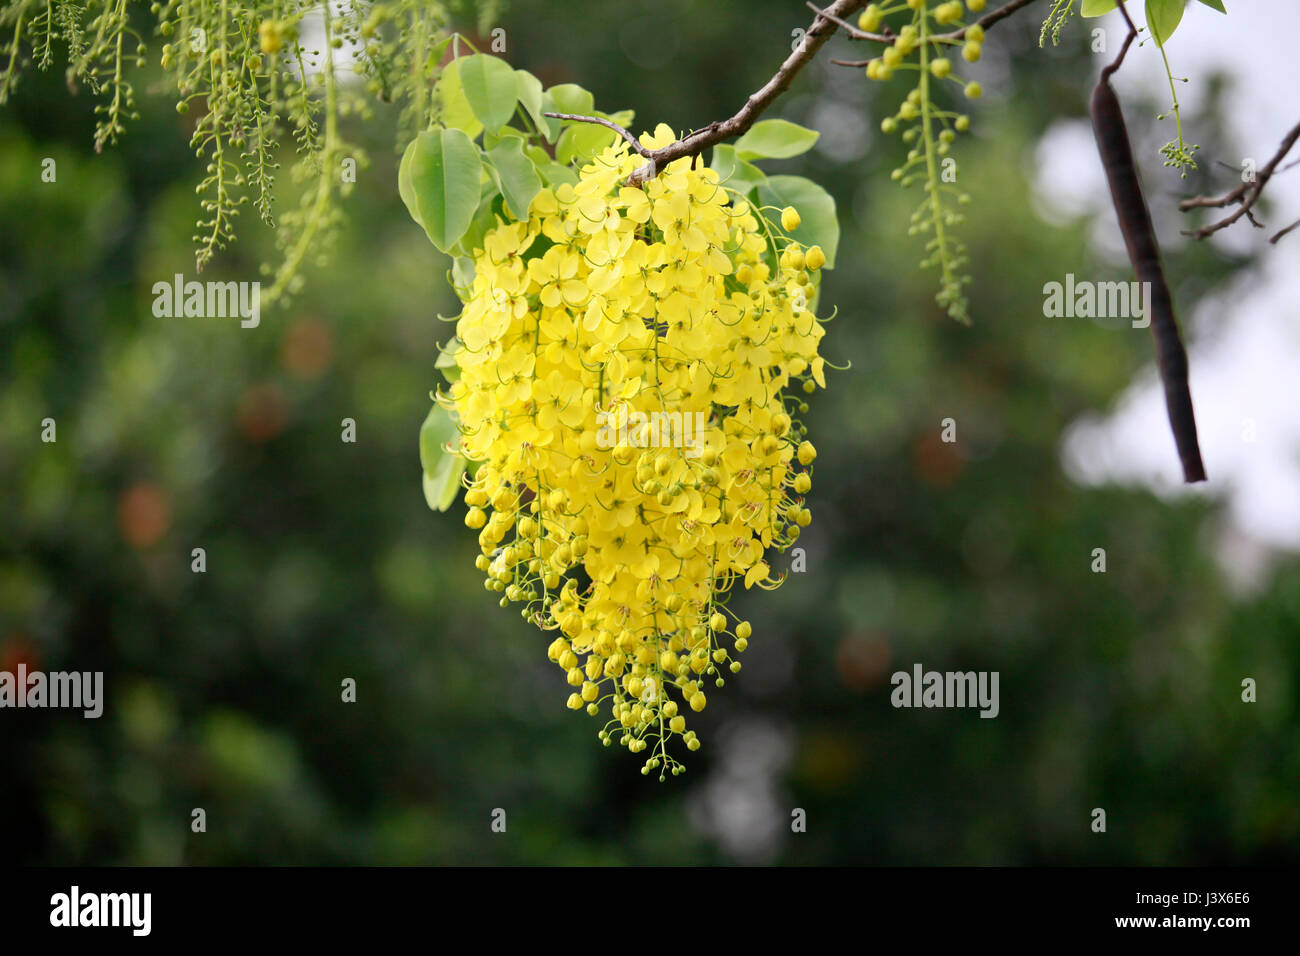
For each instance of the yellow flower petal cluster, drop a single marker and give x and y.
(626, 358)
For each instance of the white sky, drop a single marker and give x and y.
(1243, 340)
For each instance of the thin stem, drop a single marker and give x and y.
(1169, 74)
(927, 138)
(601, 121)
(1247, 194)
(325, 183)
(692, 145)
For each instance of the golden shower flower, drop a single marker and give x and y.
(627, 358)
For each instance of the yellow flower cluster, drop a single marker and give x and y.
(625, 356)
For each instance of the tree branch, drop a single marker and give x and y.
(823, 26)
(1245, 195)
(1283, 232)
(986, 21)
(887, 36)
(602, 122)
(1109, 70)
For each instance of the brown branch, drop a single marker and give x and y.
(1109, 70)
(986, 21)
(887, 36)
(823, 26)
(701, 139)
(1245, 195)
(610, 124)
(1283, 232)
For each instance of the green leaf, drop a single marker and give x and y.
(405, 188)
(571, 98)
(552, 173)
(581, 141)
(775, 139)
(1215, 5)
(623, 117)
(485, 219)
(1096, 8)
(442, 469)
(816, 207)
(491, 88)
(1163, 17)
(557, 175)
(734, 172)
(447, 357)
(537, 104)
(441, 170)
(551, 127)
(505, 133)
(436, 52)
(453, 106)
(462, 277)
(516, 176)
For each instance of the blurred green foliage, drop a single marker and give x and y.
(1119, 690)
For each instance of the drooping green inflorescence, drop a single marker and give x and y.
(258, 76)
(926, 33)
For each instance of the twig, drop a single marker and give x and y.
(1245, 195)
(823, 26)
(701, 139)
(854, 33)
(887, 36)
(956, 36)
(1109, 70)
(1283, 232)
(602, 122)
(986, 21)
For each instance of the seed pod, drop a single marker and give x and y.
(1144, 254)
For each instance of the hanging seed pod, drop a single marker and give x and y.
(1144, 254)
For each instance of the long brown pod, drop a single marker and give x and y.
(1144, 253)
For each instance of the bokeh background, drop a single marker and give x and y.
(1119, 690)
